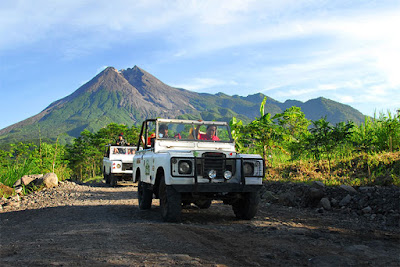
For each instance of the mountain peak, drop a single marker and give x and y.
(142, 80)
(156, 92)
(137, 74)
(109, 69)
(136, 68)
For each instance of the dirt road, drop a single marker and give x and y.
(96, 225)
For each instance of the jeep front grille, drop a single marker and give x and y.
(214, 161)
(127, 166)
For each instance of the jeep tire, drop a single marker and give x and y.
(170, 202)
(246, 207)
(113, 180)
(145, 195)
(106, 178)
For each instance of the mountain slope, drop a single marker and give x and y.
(132, 95)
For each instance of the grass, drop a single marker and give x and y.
(13, 172)
(93, 179)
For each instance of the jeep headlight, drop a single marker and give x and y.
(118, 166)
(185, 167)
(212, 174)
(227, 175)
(248, 168)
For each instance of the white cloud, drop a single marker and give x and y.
(210, 25)
(290, 48)
(199, 84)
(326, 87)
(180, 53)
(347, 99)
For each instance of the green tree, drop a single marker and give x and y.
(389, 132)
(237, 131)
(294, 127)
(261, 136)
(364, 138)
(324, 138)
(83, 155)
(293, 122)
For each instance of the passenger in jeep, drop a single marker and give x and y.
(163, 131)
(121, 141)
(210, 134)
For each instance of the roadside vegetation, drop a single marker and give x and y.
(294, 149)
(80, 161)
(22, 159)
(298, 150)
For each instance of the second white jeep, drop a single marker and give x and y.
(117, 163)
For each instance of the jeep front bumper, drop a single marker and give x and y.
(216, 188)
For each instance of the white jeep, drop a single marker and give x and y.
(117, 163)
(194, 162)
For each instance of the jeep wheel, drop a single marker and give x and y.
(170, 202)
(113, 180)
(145, 196)
(203, 204)
(106, 178)
(246, 207)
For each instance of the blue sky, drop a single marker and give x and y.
(347, 51)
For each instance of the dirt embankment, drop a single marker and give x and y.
(92, 224)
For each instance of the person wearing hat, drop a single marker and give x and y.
(121, 141)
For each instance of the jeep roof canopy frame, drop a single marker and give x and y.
(144, 133)
(194, 123)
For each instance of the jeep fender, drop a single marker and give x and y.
(136, 174)
(160, 173)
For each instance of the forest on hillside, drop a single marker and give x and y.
(294, 149)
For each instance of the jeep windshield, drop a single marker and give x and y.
(204, 131)
(122, 150)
